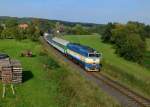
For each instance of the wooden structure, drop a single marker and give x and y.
(6, 75)
(16, 71)
(10, 72)
(3, 64)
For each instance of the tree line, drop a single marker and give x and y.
(10, 30)
(128, 39)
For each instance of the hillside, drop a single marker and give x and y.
(128, 73)
(47, 83)
(29, 19)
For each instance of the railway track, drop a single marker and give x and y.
(124, 95)
(142, 101)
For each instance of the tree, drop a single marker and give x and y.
(33, 33)
(68, 30)
(138, 28)
(11, 23)
(46, 26)
(128, 43)
(1, 29)
(147, 30)
(9, 33)
(107, 35)
(80, 30)
(98, 29)
(22, 34)
(36, 22)
(36, 35)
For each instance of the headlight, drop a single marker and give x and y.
(92, 60)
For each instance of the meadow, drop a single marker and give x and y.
(148, 44)
(48, 83)
(147, 55)
(128, 73)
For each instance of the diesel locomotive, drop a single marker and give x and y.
(88, 57)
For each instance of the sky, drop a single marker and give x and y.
(92, 11)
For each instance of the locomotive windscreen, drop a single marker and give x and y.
(94, 55)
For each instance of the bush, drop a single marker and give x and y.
(129, 40)
(9, 33)
(108, 33)
(131, 47)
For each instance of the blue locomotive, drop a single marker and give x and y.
(88, 57)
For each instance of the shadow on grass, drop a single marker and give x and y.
(27, 75)
(33, 55)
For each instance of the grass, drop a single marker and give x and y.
(147, 55)
(148, 44)
(47, 82)
(147, 60)
(126, 72)
(33, 90)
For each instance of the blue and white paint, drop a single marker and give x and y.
(86, 56)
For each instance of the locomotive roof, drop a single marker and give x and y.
(81, 48)
(61, 41)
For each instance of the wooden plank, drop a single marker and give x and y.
(6, 75)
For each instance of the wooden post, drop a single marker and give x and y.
(4, 90)
(12, 87)
(11, 73)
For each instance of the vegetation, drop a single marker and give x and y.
(128, 39)
(148, 44)
(48, 83)
(45, 22)
(79, 30)
(147, 55)
(10, 30)
(129, 73)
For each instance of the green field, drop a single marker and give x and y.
(126, 72)
(147, 55)
(48, 83)
(148, 44)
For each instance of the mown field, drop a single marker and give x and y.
(48, 83)
(131, 74)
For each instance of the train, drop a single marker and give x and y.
(87, 57)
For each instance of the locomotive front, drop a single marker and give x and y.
(92, 62)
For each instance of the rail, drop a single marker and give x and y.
(144, 102)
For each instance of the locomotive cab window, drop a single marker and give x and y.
(94, 55)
